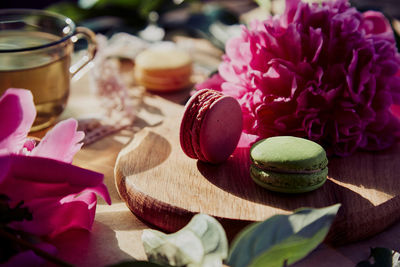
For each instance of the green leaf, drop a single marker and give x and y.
(135, 264)
(202, 242)
(282, 238)
(381, 257)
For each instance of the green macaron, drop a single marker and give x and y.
(288, 164)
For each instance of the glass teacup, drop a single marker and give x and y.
(35, 54)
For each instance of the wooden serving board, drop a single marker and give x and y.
(165, 188)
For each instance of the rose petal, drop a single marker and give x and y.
(9, 104)
(57, 179)
(17, 113)
(60, 196)
(31, 169)
(53, 216)
(61, 142)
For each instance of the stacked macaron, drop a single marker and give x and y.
(211, 126)
(163, 70)
(288, 164)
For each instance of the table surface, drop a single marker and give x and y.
(116, 232)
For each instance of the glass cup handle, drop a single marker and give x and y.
(90, 37)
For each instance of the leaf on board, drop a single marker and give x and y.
(282, 239)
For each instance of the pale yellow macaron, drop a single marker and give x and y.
(163, 70)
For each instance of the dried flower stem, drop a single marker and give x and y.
(37, 251)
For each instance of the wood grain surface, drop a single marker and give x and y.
(165, 188)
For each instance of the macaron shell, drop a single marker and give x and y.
(154, 59)
(288, 153)
(206, 101)
(179, 71)
(221, 129)
(188, 119)
(163, 70)
(288, 182)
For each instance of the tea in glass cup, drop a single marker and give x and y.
(35, 54)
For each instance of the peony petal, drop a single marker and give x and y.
(5, 167)
(375, 23)
(290, 11)
(228, 73)
(316, 42)
(9, 104)
(277, 81)
(60, 143)
(395, 109)
(24, 178)
(238, 50)
(247, 140)
(17, 113)
(234, 90)
(385, 137)
(24, 189)
(214, 82)
(52, 217)
(31, 169)
(60, 196)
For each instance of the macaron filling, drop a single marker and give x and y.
(305, 171)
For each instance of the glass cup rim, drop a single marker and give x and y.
(27, 11)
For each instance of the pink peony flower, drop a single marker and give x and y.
(59, 195)
(325, 72)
